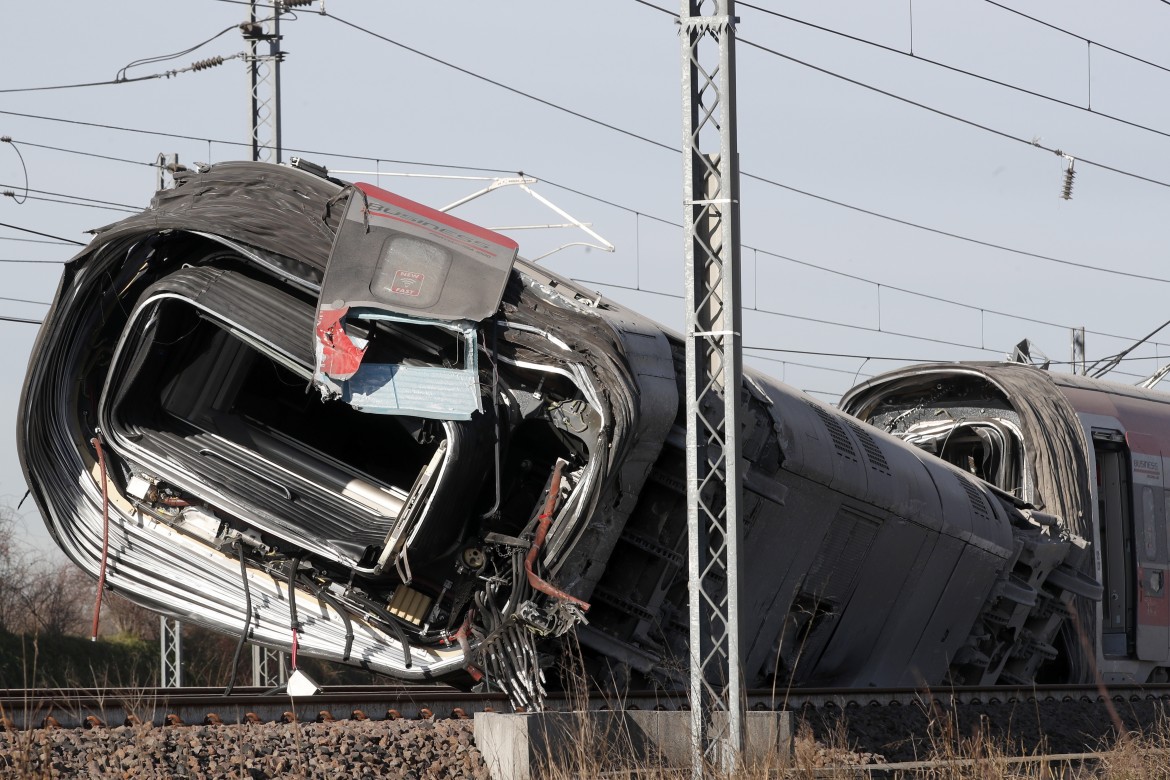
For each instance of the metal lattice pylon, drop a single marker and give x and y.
(713, 379)
(264, 78)
(170, 638)
(268, 667)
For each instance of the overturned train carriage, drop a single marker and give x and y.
(1088, 450)
(317, 415)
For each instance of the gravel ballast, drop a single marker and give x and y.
(341, 749)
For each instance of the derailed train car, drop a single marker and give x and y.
(1089, 450)
(329, 420)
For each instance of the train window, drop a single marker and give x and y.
(987, 448)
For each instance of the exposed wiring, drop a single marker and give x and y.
(292, 610)
(247, 620)
(96, 441)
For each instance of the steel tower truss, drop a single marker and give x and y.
(264, 78)
(713, 381)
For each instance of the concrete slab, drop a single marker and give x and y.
(524, 746)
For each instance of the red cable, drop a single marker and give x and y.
(97, 607)
(541, 531)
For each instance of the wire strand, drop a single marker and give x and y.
(954, 69)
(39, 233)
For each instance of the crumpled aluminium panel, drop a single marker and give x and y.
(185, 367)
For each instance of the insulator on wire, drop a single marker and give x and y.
(210, 62)
(1069, 174)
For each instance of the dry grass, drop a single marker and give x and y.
(952, 755)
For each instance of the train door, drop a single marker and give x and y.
(1152, 606)
(1115, 517)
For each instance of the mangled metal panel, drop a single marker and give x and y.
(435, 272)
(466, 542)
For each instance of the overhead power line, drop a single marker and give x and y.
(762, 179)
(23, 142)
(774, 183)
(826, 269)
(1079, 37)
(39, 233)
(203, 64)
(31, 240)
(955, 117)
(971, 74)
(63, 202)
(25, 300)
(502, 85)
(815, 320)
(25, 320)
(74, 197)
(165, 57)
(225, 142)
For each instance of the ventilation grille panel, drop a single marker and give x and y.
(837, 432)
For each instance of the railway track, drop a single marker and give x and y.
(110, 707)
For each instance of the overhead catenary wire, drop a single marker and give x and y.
(1080, 37)
(774, 183)
(95, 155)
(836, 272)
(166, 57)
(25, 300)
(771, 182)
(851, 326)
(31, 241)
(25, 320)
(63, 202)
(502, 85)
(972, 74)
(76, 197)
(802, 318)
(955, 117)
(204, 64)
(39, 233)
(243, 144)
(766, 252)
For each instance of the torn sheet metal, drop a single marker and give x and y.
(438, 274)
(530, 435)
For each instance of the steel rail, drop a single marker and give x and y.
(28, 708)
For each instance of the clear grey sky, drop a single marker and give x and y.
(349, 95)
